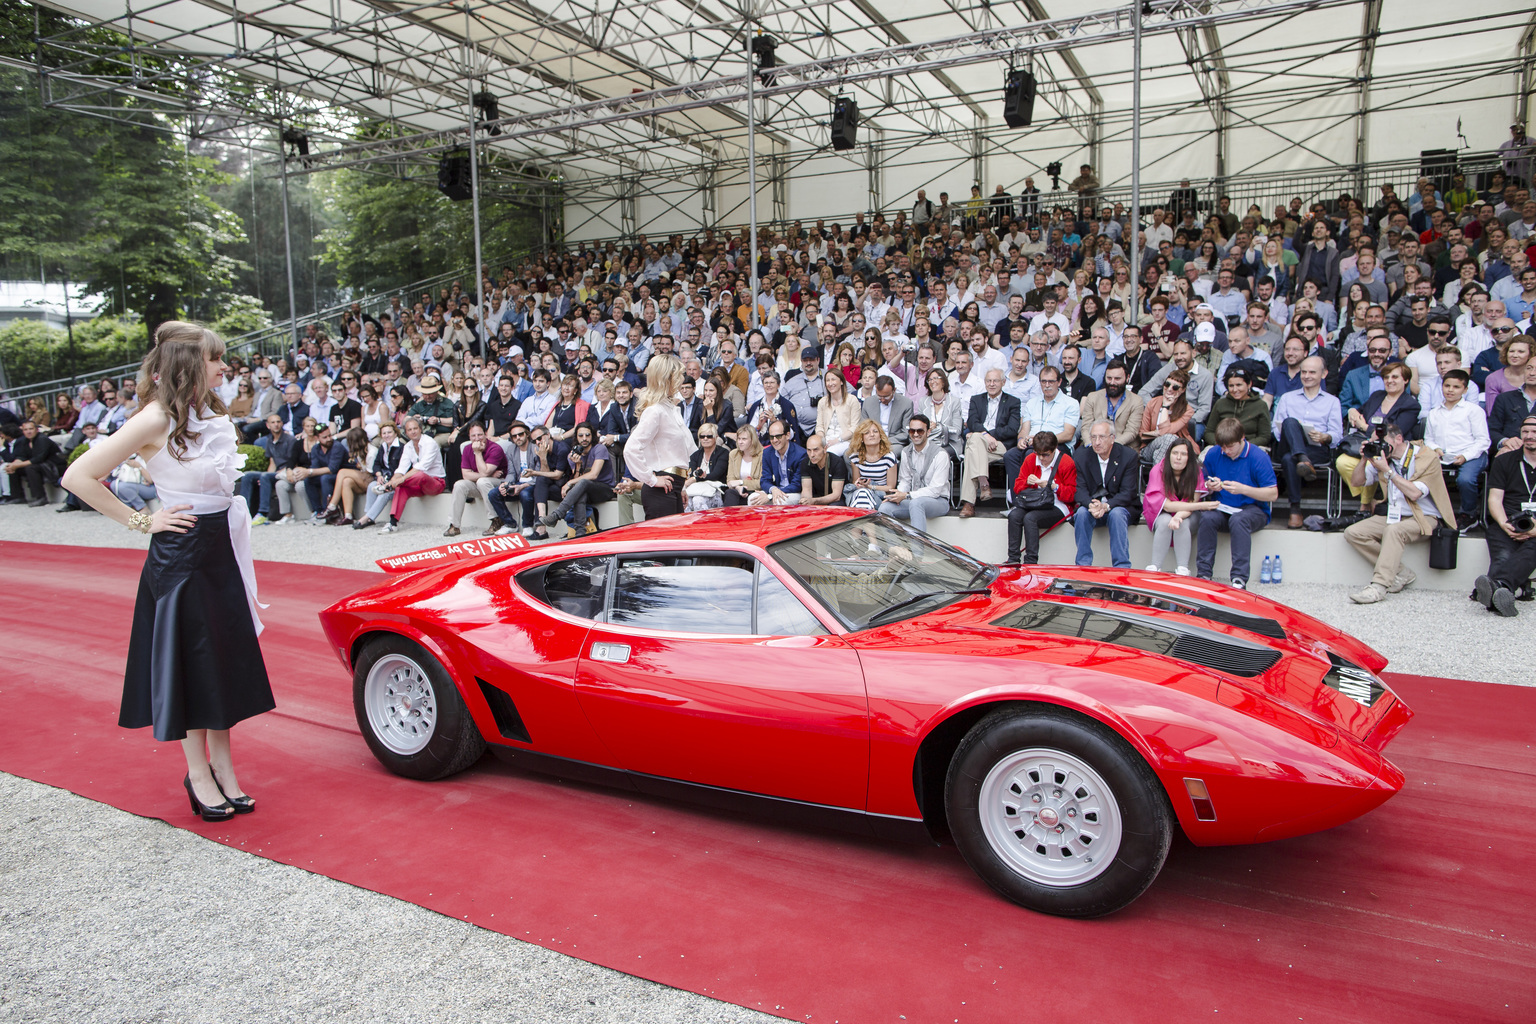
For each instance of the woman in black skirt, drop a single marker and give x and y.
(659, 447)
(194, 665)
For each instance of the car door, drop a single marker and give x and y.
(708, 669)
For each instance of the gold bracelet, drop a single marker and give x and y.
(140, 521)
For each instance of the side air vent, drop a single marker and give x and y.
(1354, 682)
(508, 721)
(1187, 643)
(1182, 604)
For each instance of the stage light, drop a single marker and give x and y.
(486, 103)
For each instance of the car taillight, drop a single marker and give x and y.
(1201, 798)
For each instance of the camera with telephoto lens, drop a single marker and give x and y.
(1525, 522)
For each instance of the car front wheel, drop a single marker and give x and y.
(1057, 812)
(410, 712)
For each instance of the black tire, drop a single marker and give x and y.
(1145, 817)
(452, 742)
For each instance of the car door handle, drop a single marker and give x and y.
(617, 653)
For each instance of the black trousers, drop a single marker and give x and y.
(1510, 561)
(1030, 524)
(36, 477)
(658, 503)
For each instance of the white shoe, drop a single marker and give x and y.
(1371, 593)
(527, 531)
(388, 528)
(1404, 579)
(506, 530)
(1153, 568)
(1182, 570)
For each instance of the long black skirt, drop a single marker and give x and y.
(193, 659)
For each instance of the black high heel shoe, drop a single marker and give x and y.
(242, 804)
(222, 812)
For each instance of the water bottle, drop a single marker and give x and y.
(1276, 575)
(1265, 574)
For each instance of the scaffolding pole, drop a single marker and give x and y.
(293, 309)
(1135, 225)
(474, 183)
(751, 174)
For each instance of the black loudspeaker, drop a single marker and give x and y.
(1018, 98)
(1438, 165)
(453, 177)
(845, 123)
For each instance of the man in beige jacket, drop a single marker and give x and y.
(1417, 502)
(1118, 404)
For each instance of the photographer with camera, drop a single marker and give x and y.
(1410, 474)
(1511, 526)
(591, 482)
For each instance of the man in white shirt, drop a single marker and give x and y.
(1431, 395)
(1459, 429)
(984, 357)
(1019, 382)
(1050, 409)
(1050, 315)
(966, 381)
(1160, 231)
(922, 481)
(1472, 334)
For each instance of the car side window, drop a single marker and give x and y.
(780, 613)
(685, 593)
(577, 587)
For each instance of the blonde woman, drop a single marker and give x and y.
(194, 664)
(837, 414)
(657, 451)
(871, 466)
(744, 471)
(789, 352)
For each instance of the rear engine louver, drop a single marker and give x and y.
(1182, 604)
(508, 722)
(1187, 643)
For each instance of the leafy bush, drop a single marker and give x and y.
(33, 351)
(241, 315)
(80, 449)
(255, 458)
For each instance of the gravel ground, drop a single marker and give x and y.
(146, 948)
(72, 949)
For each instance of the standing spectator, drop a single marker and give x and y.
(991, 427)
(483, 465)
(420, 473)
(922, 484)
(1511, 551)
(1045, 493)
(1308, 422)
(1459, 431)
(1410, 474)
(591, 480)
(659, 446)
(1108, 475)
(1171, 505)
(1239, 476)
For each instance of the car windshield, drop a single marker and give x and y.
(874, 570)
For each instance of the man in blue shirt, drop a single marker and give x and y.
(283, 453)
(1242, 485)
(1307, 423)
(783, 464)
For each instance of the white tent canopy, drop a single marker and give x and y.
(636, 111)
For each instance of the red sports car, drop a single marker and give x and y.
(831, 664)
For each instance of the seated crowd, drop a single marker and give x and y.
(898, 360)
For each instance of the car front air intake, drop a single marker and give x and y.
(1206, 647)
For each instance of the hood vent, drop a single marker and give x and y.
(1123, 629)
(1182, 604)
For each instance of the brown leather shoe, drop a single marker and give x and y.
(984, 489)
(967, 510)
(1295, 521)
(1306, 470)
(490, 531)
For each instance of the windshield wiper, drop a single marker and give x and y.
(915, 598)
(979, 573)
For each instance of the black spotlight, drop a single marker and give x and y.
(845, 123)
(1018, 98)
(453, 175)
(762, 53)
(489, 110)
(297, 142)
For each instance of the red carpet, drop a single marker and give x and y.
(1421, 911)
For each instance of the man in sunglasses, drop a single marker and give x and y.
(783, 468)
(922, 481)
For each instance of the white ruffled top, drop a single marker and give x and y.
(205, 477)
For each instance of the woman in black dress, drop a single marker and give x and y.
(194, 665)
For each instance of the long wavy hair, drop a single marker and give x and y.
(663, 380)
(173, 373)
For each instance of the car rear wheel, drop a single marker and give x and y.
(1057, 812)
(410, 712)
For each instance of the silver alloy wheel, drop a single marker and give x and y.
(401, 704)
(1049, 816)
